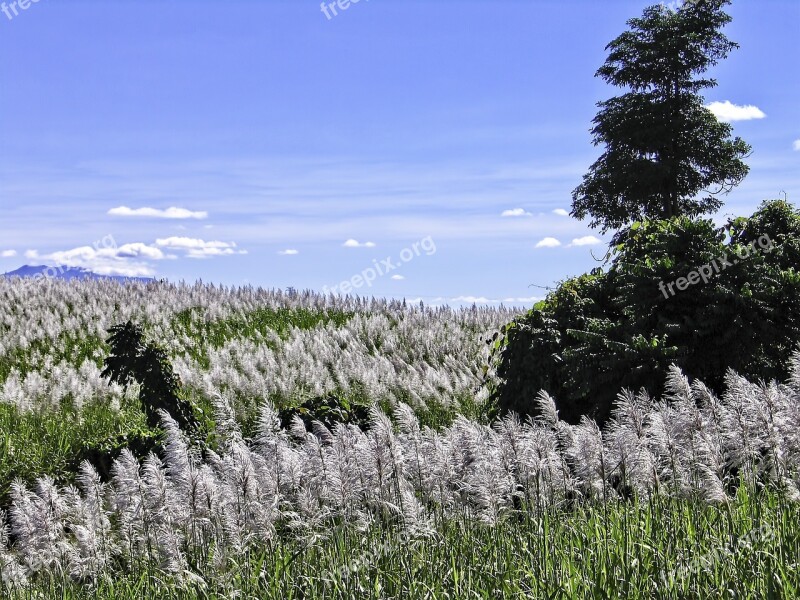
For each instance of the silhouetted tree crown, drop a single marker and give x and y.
(131, 360)
(666, 154)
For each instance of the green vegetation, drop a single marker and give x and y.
(54, 442)
(661, 549)
(664, 148)
(684, 496)
(253, 325)
(132, 359)
(624, 328)
(665, 153)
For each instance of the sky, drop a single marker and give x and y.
(396, 148)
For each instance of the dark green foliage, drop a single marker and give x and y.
(103, 452)
(328, 410)
(126, 342)
(622, 328)
(133, 360)
(662, 146)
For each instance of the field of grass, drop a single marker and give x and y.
(691, 497)
(663, 548)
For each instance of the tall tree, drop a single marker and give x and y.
(666, 153)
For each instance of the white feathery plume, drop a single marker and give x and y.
(176, 455)
(297, 428)
(546, 409)
(91, 525)
(225, 420)
(37, 523)
(589, 461)
(712, 489)
(128, 503)
(677, 385)
(794, 371)
(11, 573)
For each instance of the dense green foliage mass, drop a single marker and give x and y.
(624, 326)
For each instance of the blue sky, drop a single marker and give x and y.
(302, 150)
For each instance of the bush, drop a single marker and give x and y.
(329, 410)
(623, 327)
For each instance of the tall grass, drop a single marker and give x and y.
(664, 548)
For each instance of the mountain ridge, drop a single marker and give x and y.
(68, 274)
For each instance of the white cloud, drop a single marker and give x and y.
(587, 240)
(398, 277)
(727, 111)
(132, 259)
(120, 260)
(485, 300)
(516, 212)
(139, 250)
(528, 300)
(31, 254)
(796, 145)
(351, 243)
(8, 254)
(197, 248)
(561, 212)
(170, 213)
(548, 242)
(82, 256)
(289, 252)
(472, 299)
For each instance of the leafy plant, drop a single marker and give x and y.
(619, 328)
(132, 359)
(328, 410)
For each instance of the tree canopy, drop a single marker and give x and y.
(666, 154)
(623, 328)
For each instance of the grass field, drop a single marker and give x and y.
(657, 549)
(691, 497)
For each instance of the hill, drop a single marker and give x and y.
(68, 273)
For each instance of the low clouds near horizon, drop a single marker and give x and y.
(516, 212)
(351, 243)
(107, 258)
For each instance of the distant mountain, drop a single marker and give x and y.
(69, 273)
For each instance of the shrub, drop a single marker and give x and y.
(621, 327)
